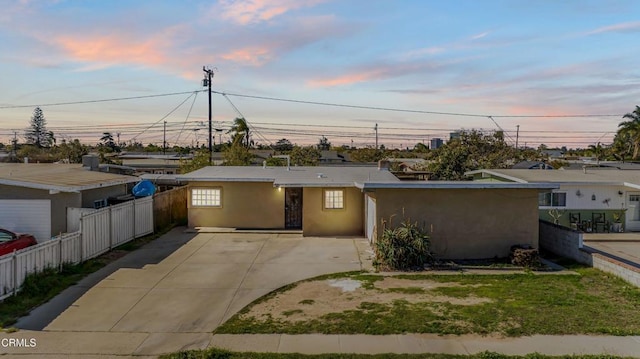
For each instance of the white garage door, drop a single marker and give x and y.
(31, 216)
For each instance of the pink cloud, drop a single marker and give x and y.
(347, 79)
(112, 50)
(622, 27)
(251, 56)
(253, 11)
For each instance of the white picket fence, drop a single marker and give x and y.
(100, 231)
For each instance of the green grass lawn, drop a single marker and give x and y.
(215, 353)
(592, 302)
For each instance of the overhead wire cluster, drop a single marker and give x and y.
(269, 132)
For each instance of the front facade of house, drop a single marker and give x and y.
(465, 219)
(319, 201)
(591, 200)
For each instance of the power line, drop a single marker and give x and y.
(97, 101)
(309, 102)
(403, 110)
(165, 116)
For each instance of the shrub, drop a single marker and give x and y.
(402, 248)
(525, 256)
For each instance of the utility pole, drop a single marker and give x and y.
(517, 135)
(14, 145)
(376, 128)
(164, 139)
(208, 74)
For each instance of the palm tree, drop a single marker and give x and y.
(241, 132)
(631, 128)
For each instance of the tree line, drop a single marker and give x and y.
(471, 150)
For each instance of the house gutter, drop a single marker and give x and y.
(454, 185)
(496, 174)
(53, 189)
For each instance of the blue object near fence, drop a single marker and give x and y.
(144, 188)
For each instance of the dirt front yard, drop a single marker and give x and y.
(502, 305)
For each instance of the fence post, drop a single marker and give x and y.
(15, 272)
(81, 239)
(110, 230)
(135, 234)
(60, 253)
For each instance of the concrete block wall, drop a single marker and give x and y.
(563, 241)
(568, 243)
(623, 270)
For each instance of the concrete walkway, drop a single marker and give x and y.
(128, 345)
(429, 343)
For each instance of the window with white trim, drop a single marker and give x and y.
(334, 199)
(206, 197)
(552, 199)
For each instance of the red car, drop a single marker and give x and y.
(10, 241)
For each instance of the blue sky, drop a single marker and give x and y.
(486, 58)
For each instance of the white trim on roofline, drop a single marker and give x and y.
(224, 179)
(497, 174)
(68, 189)
(454, 185)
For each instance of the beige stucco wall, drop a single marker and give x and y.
(59, 203)
(244, 205)
(318, 221)
(467, 223)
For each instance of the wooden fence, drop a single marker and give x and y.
(99, 232)
(170, 207)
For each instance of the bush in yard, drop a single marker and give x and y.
(404, 247)
(525, 256)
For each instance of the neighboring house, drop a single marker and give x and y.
(588, 199)
(466, 219)
(553, 154)
(259, 156)
(331, 157)
(532, 165)
(156, 163)
(34, 197)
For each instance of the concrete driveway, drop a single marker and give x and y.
(176, 303)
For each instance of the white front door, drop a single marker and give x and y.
(371, 218)
(633, 212)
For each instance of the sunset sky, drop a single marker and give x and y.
(448, 64)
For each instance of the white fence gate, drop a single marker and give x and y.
(100, 231)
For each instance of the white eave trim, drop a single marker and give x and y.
(68, 189)
(223, 179)
(496, 174)
(315, 185)
(456, 185)
(632, 185)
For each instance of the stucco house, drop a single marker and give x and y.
(588, 199)
(466, 219)
(317, 200)
(34, 197)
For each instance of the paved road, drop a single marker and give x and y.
(176, 303)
